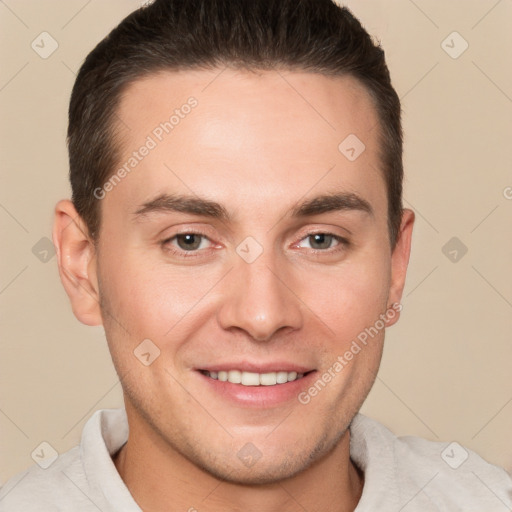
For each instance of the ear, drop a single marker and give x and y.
(76, 258)
(399, 262)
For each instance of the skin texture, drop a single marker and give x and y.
(256, 146)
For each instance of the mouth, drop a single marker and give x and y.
(254, 379)
(260, 385)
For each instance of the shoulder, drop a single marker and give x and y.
(83, 478)
(446, 474)
(455, 471)
(54, 486)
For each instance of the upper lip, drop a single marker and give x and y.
(247, 366)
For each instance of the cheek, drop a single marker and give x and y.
(348, 298)
(151, 299)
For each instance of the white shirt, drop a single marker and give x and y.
(402, 474)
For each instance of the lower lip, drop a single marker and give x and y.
(259, 396)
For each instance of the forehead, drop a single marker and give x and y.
(266, 135)
(289, 98)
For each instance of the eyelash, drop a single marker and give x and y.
(343, 244)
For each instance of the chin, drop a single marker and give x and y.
(259, 474)
(270, 465)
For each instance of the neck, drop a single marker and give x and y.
(157, 475)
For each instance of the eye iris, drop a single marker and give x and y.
(189, 242)
(324, 241)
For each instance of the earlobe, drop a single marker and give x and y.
(399, 263)
(76, 258)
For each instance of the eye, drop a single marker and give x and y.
(187, 242)
(322, 241)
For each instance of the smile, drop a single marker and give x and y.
(254, 379)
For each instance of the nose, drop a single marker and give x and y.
(259, 300)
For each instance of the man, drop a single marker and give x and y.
(245, 251)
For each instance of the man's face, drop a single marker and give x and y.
(254, 289)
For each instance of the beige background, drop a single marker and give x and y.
(446, 372)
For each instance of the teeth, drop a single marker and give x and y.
(254, 379)
(235, 376)
(268, 379)
(250, 379)
(282, 377)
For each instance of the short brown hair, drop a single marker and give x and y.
(308, 35)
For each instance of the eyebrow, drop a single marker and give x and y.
(194, 205)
